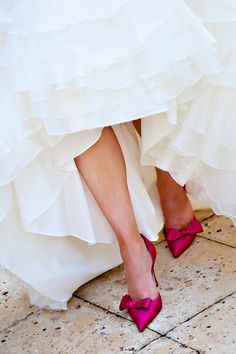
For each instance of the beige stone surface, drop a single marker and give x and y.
(203, 214)
(14, 301)
(166, 346)
(81, 329)
(161, 238)
(194, 314)
(204, 274)
(212, 331)
(220, 229)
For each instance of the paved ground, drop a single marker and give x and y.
(199, 315)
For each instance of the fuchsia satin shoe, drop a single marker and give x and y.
(143, 311)
(179, 240)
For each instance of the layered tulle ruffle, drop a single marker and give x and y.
(48, 203)
(200, 145)
(80, 68)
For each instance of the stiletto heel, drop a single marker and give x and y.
(152, 250)
(179, 240)
(143, 311)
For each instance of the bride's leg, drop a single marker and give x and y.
(178, 214)
(137, 125)
(103, 169)
(175, 204)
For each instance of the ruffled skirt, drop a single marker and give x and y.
(53, 234)
(199, 145)
(68, 69)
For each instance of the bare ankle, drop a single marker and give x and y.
(179, 217)
(177, 210)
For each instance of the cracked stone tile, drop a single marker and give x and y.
(14, 302)
(204, 274)
(221, 229)
(83, 328)
(212, 331)
(166, 346)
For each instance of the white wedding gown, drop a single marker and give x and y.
(199, 145)
(68, 69)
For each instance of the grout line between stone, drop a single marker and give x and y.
(112, 313)
(208, 217)
(216, 241)
(15, 323)
(166, 335)
(221, 243)
(183, 345)
(171, 339)
(146, 345)
(162, 335)
(200, 312)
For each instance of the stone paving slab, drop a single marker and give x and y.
(212, 331)
(166, 346)
(203, 275)
(83, 328)
(203, 214)
(14, 301)
(191, 286)
(220, 229)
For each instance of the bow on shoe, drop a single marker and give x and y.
(128, 304)
(192, 229)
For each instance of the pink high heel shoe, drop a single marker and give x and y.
(143, 311)
(179, 240)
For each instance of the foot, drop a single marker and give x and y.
(181, 225)
(137, 268)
